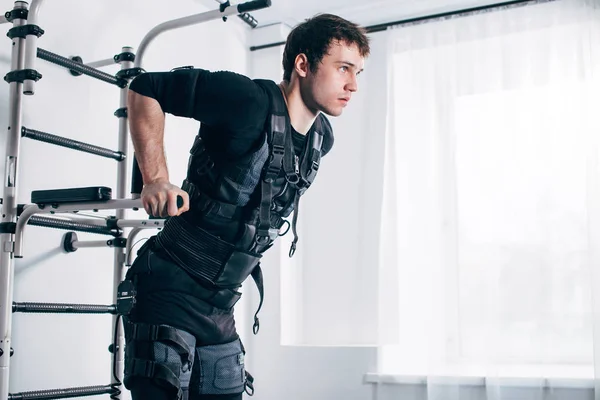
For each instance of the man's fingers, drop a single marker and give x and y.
(164, 210)
(153, 209)
(164, 200)
(148, 208)
(186, 202)
(172, 203)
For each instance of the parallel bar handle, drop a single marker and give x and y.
(253, 5)
(71, 144)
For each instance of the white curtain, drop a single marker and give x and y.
(491, 207)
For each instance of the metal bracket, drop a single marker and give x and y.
(9, 247)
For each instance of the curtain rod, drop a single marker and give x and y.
(434, 17)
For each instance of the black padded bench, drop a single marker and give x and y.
(74, 195)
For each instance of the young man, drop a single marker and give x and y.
(257, 151)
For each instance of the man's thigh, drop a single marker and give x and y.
(168, 300)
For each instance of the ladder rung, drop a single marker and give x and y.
(58, 223)
(71, 144)
(79, 67)
(63, 393)
(56, 308)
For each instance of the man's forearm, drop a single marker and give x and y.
(147, 125)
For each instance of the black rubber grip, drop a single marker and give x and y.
(253, 5)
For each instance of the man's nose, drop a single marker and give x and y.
(352, 84)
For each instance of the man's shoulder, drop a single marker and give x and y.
(325, 124)
(235, 89)
(327, 134)
(268, 87)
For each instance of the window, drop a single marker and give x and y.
(492, 234)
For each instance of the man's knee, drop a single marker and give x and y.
(160, 354)
(219, 370)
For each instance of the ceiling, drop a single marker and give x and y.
(363, 12)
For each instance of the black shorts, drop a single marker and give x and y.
(167, 295)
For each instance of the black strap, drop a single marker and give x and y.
(308, 172)
(200, 253)
(249, 384)
(279, 137)
(160, 333)
(207, 204)
(294, 221)
(258, 280)
(312, 156)
(155, 370)
(290, 160)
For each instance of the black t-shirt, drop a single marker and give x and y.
(233, 105)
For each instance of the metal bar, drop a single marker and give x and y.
(195, 19)
(72, 144)
(141, 223)
(431, 18)
(119, 253)
(247, 18)
(458, 13)
(56, 308)
(63, 393)
(33, 209)
(78, 244)
(101, 63)
(9, 206)
(129, 245)
(79, 67)
(266, 46)
(71, 225)
(31, 46)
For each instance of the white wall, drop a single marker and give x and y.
(56, 351)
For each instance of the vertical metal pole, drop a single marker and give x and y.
(9, 206)
(119, 260)
(31, 46)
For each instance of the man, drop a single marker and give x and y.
(257, 151)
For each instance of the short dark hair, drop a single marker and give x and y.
(314, 36)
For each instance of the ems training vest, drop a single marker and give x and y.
(245, 201)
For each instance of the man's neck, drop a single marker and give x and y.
(301, 117)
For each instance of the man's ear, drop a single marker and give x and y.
(301, 65)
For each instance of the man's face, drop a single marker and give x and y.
(330, 87)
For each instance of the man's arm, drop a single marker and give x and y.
(229, 101)
(147, 125)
